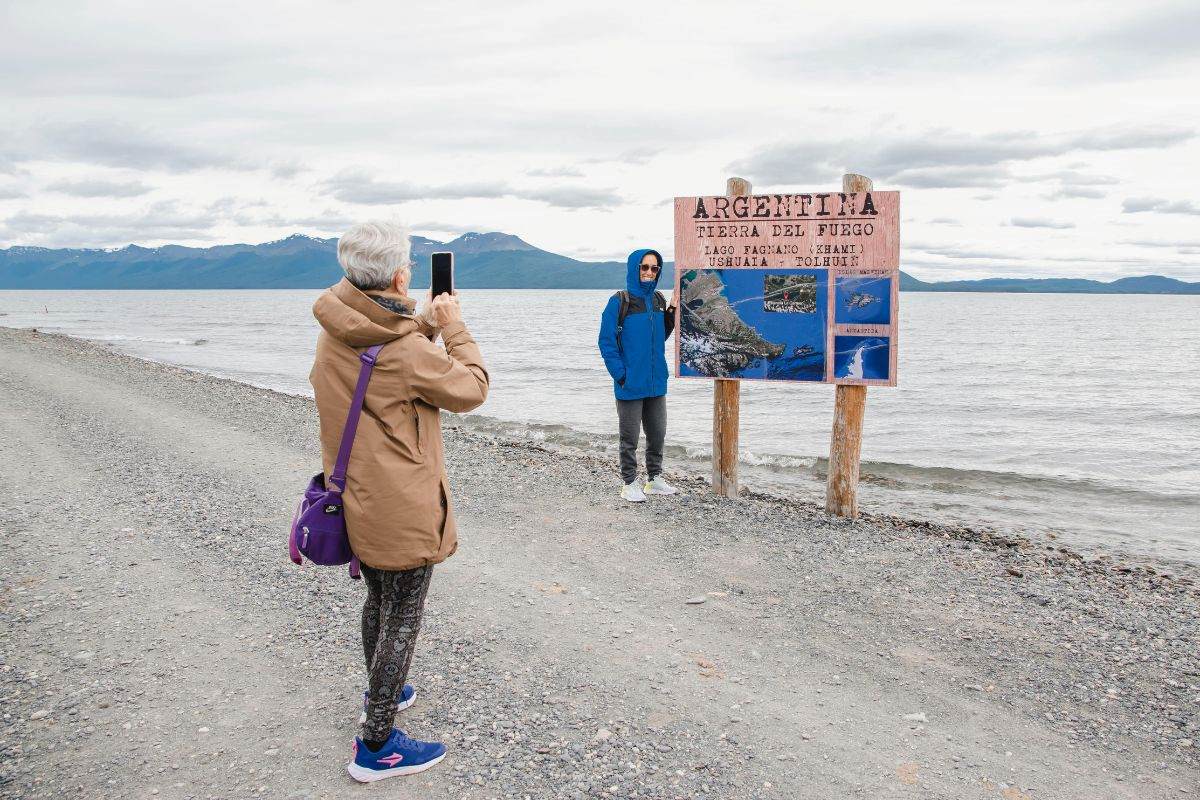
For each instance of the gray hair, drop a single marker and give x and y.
(372, 252)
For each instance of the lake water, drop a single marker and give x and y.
(1067, 414)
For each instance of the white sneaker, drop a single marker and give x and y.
(633, 493)
(659, 486)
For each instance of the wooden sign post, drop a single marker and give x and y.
(798, 287)
(726, 404)
(850, 403)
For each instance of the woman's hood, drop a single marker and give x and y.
(633, 281)
(356, 320)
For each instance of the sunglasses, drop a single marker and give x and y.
(652, 269)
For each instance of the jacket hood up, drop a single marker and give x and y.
(633, 282)
(354, 319)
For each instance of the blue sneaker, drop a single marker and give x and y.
(408, 696)
(399, 755)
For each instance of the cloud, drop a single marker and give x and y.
(636, 156)
(939, 157)
(1072, 184)
(1040, 222)
(952, 177)
(961, 252)
(162, 221)
(639, 155)
(326, 222)
(286, 169)
(118, 144)
(1147, 38)
(1184, 243)
(1098, 45)
(230, 203)
(119, 52)
(554, 172)
(132, 146)
(11, 193)
(1138, 205)
(595, 255)
(574, 197)
(446, 227)
(359, 186)
(1076, 192)
(1072, 177)
(98, 187)
(984, 258)
(258, 213)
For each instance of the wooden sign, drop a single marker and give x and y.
(789, 287)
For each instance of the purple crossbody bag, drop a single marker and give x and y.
(319, 525)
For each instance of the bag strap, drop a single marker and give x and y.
(338, 478)
(659, 303)
(622, 308)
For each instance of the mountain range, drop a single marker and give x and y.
(482, 261)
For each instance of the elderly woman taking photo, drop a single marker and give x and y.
(397, 501)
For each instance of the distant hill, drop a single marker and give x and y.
(482, 261)
(1145, 284)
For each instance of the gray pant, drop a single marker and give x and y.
(391, 621)
(649, 413)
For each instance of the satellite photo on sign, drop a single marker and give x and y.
(799, 287)
(863, 299)
(751, 323)
(790, 293)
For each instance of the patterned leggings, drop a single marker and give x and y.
(390, 623)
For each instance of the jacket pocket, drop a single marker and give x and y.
(442, 511)
(420, 429)
(443, 508)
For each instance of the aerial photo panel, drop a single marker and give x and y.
(753, 323)
(863, 299)
(866, 358)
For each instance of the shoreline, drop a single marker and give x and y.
(149, 609)
(615, 287)
(1086, 548)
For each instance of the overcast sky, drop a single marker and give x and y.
(1027, 139)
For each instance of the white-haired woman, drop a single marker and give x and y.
(397, 500)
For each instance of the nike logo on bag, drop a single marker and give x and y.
(392, 760)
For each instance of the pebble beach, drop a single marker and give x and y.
(157, 642)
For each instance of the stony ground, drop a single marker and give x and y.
(157, 642)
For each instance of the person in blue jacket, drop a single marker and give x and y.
(633, 333)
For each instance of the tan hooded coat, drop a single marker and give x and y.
(398, 509)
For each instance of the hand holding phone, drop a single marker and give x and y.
(445, 309)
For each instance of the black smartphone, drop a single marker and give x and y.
(442, 277)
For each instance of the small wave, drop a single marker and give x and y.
(119, 337)
(804, 468)
(952, 479)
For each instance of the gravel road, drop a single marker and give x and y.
(158, 643)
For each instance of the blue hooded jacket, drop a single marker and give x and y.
(635, 356)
